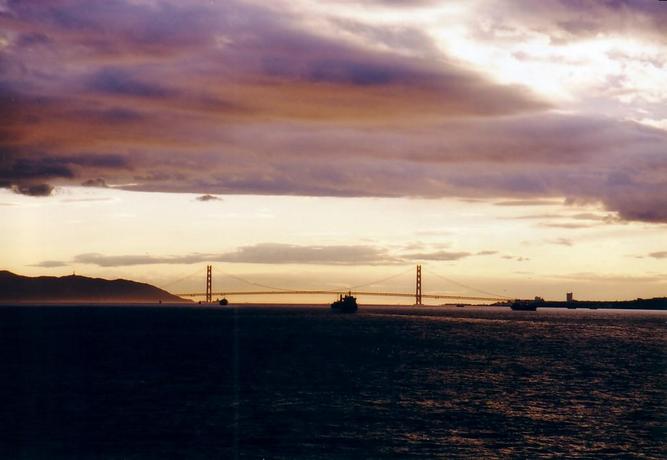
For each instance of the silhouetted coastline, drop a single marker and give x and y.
(74, 288)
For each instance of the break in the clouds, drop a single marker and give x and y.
(573, 20)
(291, 99)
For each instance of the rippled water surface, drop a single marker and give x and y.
(302, 382)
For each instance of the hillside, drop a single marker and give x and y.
(75, 288)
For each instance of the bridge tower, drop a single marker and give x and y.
(209, 283)
(418, 291)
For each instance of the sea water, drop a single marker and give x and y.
(288, 382)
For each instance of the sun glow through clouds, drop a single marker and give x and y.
(522, 147)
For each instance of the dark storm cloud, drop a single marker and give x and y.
(110, 26)
(450, 160)
(232, 42)
(17, 169)
(354, 73)
(32, 39)
(156, 80)
(26, 173)
(33, 189)
(119, 82)
(228, 97)
(96, 160)
(109, 116)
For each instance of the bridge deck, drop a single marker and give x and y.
(355, 293)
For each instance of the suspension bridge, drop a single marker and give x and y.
(417, 294)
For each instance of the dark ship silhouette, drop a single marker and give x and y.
(345, 304)
(527, 305)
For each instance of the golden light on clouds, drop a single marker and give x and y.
(416, 120)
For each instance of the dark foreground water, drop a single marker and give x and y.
(291, 383)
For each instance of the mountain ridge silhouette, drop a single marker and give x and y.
(78, 288)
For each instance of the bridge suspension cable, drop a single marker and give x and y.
(243, 280)
(465, 286)
(197, 271)
(381, 280)
(353, 290)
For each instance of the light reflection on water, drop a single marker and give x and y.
(305, 383)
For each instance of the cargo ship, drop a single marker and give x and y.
(527, 305)
(524, 306)
(345, 304)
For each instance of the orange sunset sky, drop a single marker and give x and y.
(516, 146)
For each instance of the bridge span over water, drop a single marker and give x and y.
(418, 295)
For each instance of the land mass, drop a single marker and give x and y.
(656, 303)
(73, 288)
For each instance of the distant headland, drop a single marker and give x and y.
(74, 288)
(656, 303)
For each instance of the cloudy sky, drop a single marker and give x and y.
(514, 146)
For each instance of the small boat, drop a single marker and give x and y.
(223, 301)
(345, 304)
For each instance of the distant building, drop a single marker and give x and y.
(570, 297)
